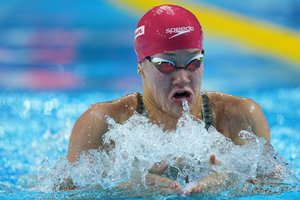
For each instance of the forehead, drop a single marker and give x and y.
(178, 53)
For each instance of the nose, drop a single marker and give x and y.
(181, 77)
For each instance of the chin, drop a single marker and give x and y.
(175, 111)
(174, 106)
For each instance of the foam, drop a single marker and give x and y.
(139, 144)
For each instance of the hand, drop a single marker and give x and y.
(161, 184)
(192, 187)
(158, 183)
(154, 182)
(207, 183)
(211, 184)
(213, 160)
(158, 168)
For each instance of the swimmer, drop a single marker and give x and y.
(169, 46)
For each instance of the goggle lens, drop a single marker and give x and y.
(165, 66)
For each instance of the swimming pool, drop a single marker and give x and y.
(76, 44)
(35, 126)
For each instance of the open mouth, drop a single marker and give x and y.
(180, 95)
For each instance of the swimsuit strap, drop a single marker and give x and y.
(206, 111)
(141, 107)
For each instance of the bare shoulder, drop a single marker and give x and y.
(224, 100)
(120, 109)
(91, 125)
(233, 114)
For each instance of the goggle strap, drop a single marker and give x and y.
(158, 60)
(200, 56)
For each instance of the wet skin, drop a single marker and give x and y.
(231, 114)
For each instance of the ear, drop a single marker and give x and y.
(140, 71)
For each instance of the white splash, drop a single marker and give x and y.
(139, 144)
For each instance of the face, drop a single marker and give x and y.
(166, 91)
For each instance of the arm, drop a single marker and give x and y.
(258, 122)
(87, 132)
(221, 181)
(91, 126)
(242, 114)
(237, 114)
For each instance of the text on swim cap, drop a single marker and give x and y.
(139, 31)
(168, 9)
(179, 30)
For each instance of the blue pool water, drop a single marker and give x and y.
(36, 126)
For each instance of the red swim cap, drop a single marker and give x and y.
(167, 28)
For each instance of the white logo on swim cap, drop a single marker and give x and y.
(179, 30)
(139, 31)
(168, 9)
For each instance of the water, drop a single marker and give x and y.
(35, 128)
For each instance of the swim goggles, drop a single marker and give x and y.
(167, 66)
